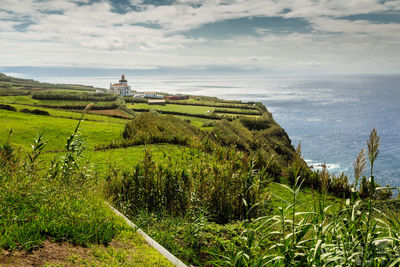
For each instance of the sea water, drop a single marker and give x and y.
(331, 115)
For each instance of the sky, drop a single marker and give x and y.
(200, 36)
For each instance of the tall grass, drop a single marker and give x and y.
(352, 234)
(219, 189)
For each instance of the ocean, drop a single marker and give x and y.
(331, 115)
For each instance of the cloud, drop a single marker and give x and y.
(59, 32)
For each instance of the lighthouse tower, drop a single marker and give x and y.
(121, 88)
(123, 80)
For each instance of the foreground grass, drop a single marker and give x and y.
(62, 203)
(197, 240)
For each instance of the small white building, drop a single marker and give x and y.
(121, 88)
(152, 95)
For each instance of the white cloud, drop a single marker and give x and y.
(93, 35)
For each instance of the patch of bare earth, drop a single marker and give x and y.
(49, 253)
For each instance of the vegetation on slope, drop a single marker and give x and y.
(185, 201)
(209, 191)
(272, 143)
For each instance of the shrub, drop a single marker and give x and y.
(256, 123)
(97, 106)
(149, 128)
(213, 104)
(131, 99)
(240, 112)
(233, 133)
(7, 107)
(208, 124)
(204, 116)
(12, 92)
(340, 186)
(35, 111)
(54, 95)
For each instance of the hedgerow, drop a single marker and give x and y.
(7, 107)
(213, 104)
(54, 95)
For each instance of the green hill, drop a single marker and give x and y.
(12, 85)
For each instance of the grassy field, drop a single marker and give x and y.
(28, 100)
(192, 109)
(196, 121)
(120, 159)
(56, 130)
(74, 114)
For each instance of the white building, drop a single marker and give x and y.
(152, 95)
(121, 88)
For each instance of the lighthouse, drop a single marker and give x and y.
(120, 88)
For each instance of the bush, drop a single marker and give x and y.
(208, 124)
(12, 92)
(233, 134)
(240, 112)
(131, 99)
(204, 116)
(35, 111)
(213, 104)
(53, 95)
(97, 106)
(256, 123)
(149, 128)
(7, 107)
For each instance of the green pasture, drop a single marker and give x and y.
(28, 100)
(234, 115)
(192, 109)
(195, 121)
(102, 161)
(73, 114)
(198, 122)
(172, 107)
(55, 130)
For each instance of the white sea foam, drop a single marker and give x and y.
(319, 166)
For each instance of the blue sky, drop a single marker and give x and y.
(260, 36)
